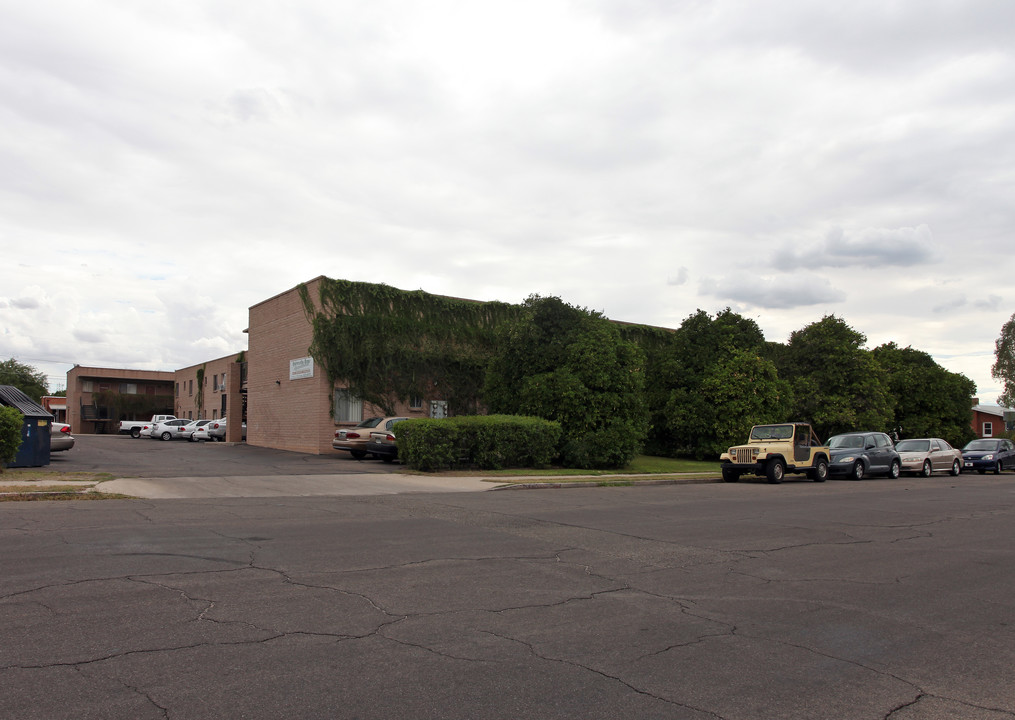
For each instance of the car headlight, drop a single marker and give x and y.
(846, 459)
(989, 456)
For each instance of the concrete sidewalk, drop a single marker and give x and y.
(291, 485)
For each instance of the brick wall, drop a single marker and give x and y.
(83, 383)
(284, 413)
(217, 375)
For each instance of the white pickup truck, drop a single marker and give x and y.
(134, 427)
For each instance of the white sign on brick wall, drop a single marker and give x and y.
(301, 368)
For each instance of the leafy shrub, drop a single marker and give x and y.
(489, 442)
(11, 422)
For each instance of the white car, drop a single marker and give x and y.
(217, 430)
(198, 430)
(171, 430)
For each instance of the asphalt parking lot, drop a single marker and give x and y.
(154, 469)
(125, 456)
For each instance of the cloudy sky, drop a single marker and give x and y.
(164, 166)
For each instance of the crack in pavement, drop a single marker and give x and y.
(641, 691)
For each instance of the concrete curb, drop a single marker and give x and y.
(608, 481)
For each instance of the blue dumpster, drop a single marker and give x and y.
(35, 429)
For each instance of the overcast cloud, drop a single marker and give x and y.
(165, 166)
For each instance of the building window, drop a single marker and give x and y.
(348, 408)
(415, 402)
(128, 388)
(177, 389)
(988, 429)
(215, 383)
(87, 386)
(191, 390)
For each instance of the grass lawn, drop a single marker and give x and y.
(18, 484)
(642, 465)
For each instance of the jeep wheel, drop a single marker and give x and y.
(775, 471)
(857, 472)
(730, 475)
(956, 468)
(135, 433)
(820, 471)
(926, 471)
(896, 469)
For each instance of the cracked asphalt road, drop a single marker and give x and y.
(879, 599)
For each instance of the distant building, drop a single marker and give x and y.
(56, 405)
(99, 398)
(991, 420)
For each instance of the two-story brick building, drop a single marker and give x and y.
(98, 398)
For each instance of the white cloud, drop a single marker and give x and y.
(164, 167)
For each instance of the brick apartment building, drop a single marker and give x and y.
(211, 389)
(98, 398)
(289, 398)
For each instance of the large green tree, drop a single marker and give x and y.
(930, 401)
(694, 408)
(571, 365)
(24, 377)
(836, 384)
(1004, 362)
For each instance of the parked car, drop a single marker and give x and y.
(355, 439)
(994, 454)
(217, 430)
(135, 427)
(193, 426)
(858, 454)
(202, 432)
(774, 450)
(382, 441)
(60, 437)
(929, 455)
(176, 429)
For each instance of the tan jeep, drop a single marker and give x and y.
(774, 450)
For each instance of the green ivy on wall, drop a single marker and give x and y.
(199, 398)
(387, 344)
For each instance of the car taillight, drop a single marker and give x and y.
(389, 436)
(349, 435)
(65, 429)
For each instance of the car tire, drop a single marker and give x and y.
(358, 454)
(167, 435)
(927, 469)
(857, 472)
(956, 467)
(820, 471)
(982, 472)
(997, 468)
(388, 458)
(135, 433)
(775, 471)
(730, 475)
(895, 470)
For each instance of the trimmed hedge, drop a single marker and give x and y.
(489, 442)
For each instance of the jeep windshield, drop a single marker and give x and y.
(771, 432)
